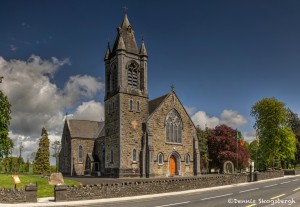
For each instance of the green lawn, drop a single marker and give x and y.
(44, 190)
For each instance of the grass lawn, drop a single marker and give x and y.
(44, 189)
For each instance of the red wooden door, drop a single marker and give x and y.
(172, 165)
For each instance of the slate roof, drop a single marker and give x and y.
(153, 104)
(85, 128)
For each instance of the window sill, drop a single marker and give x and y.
(174, 143)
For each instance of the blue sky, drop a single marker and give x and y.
(220, 55)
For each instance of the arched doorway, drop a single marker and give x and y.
(172, 165)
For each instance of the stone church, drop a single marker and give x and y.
(139, 138)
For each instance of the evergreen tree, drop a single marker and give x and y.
(5, 142)
(42, 159)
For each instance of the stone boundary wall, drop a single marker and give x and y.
(268, 175)
(153, 186)
(11, 195)
(292, 172)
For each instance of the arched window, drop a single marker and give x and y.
(138, 106)
(134, 155)
(111, 156)
(108, 108)
(187, 159)
(80, 154)
(173, 127)
(114, 79)
(103, 153)
(65, 145)
(130, 105)
(160, 158)
(168, 132)
(133, 75)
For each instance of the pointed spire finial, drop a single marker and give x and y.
(143, 50)
(107, 53)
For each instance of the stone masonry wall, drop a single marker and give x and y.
(268, 175)
(153, 186)
(157, 124)
(131, 133)
(143, 187)
(10, 195)
(292, 172)
(87, 146)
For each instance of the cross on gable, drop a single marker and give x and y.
(125, 9)
(172, 87)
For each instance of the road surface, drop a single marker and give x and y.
(279, 192)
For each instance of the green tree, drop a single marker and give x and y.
(5, 142)
(11, 164)
(42, 159)
(256, 156)
(203, 147)
(277, 140)
(294, 121)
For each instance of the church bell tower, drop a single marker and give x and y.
(126, 102)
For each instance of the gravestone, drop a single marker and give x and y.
(56, 179)
(228, 167)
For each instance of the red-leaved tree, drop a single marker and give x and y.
(222, 146)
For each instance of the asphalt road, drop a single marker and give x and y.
(255, 194)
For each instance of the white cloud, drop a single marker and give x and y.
(90, 111)
(37, 102)
(249, 136)
(190, 110)
(228, 117)
(81, 87)
(203, 120)
(233, 118)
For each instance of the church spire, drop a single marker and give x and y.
(143, 50)
(107, 53)
(125, 33)
(125, 22)
(121, 44)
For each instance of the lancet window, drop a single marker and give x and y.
(173, 127)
